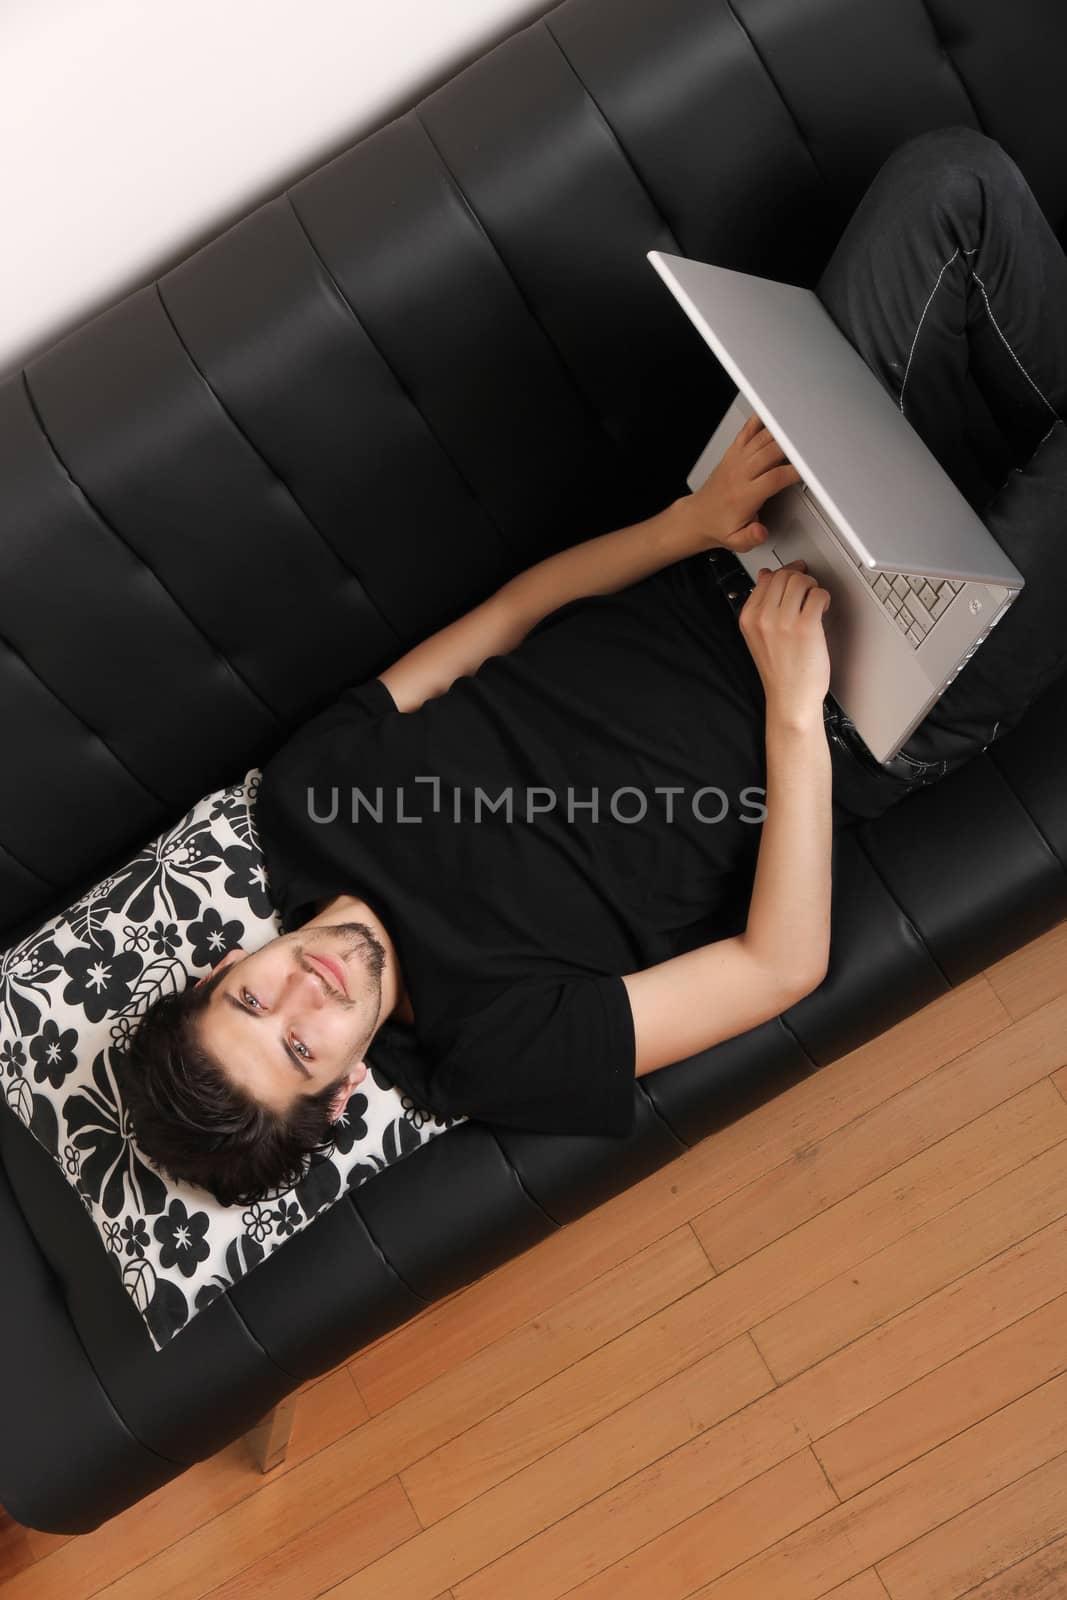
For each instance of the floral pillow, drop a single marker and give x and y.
(71, 994)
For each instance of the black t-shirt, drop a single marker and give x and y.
(513, 934)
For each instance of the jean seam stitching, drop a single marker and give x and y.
(1000, 334)
(918, 766)
(922, 319)
(921, 768)
(996, 326)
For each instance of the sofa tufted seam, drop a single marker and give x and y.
(816, 1066)
(642, 1088)
(879, 874)
(513, 1169)
(470, 488)
(947, 56)
(81, 720)
(813, 1065)
(60, 1290)
(136, 556)
(1025, 809)
(260, 1346)
(614, 136)
(380, 1253)
(564, 364)
(775, 85)
(170, 1460)
(271, 468)
(22, 865)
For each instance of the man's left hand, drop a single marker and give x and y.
(725, 508)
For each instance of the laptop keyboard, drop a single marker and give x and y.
(914, 603)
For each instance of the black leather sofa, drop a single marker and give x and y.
(330, 430)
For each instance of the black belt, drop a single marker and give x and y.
(731, 577)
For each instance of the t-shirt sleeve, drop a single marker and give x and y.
(294, 874)
(359, 704)
(548, 1056)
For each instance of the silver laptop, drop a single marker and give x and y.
(916, 579)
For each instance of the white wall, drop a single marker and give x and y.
(131, 132)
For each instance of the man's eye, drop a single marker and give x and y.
(298, 1045)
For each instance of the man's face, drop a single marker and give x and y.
(296, 1015)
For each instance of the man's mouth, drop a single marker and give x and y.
(332, 970)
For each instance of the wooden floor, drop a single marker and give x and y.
(822, 1354)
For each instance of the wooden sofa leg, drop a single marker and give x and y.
(269, 1439)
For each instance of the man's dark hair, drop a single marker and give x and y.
(199, 1126)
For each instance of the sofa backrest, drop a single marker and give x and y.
(425, 365)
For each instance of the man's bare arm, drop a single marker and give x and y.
(697, 999)
(597, 566)
(720, 513)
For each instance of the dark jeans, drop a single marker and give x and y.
(950, 283)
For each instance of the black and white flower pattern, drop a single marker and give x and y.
(26, 975)
(100, 977)
(211, 938)
(54, 1053)
(111, 1167)
(13, 1058)
(134, 1235)
(71, 994)
(182, 1235)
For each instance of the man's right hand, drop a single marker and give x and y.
(727, 505)
(781, 622)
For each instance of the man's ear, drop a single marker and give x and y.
(227, 961)
(352, 1081)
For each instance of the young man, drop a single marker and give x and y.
(500, 840)
(544, 791)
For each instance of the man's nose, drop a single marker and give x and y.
(310, 986)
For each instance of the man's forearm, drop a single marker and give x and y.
(721, 511)
(788, 927)
(607, 563)
(599, 566)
